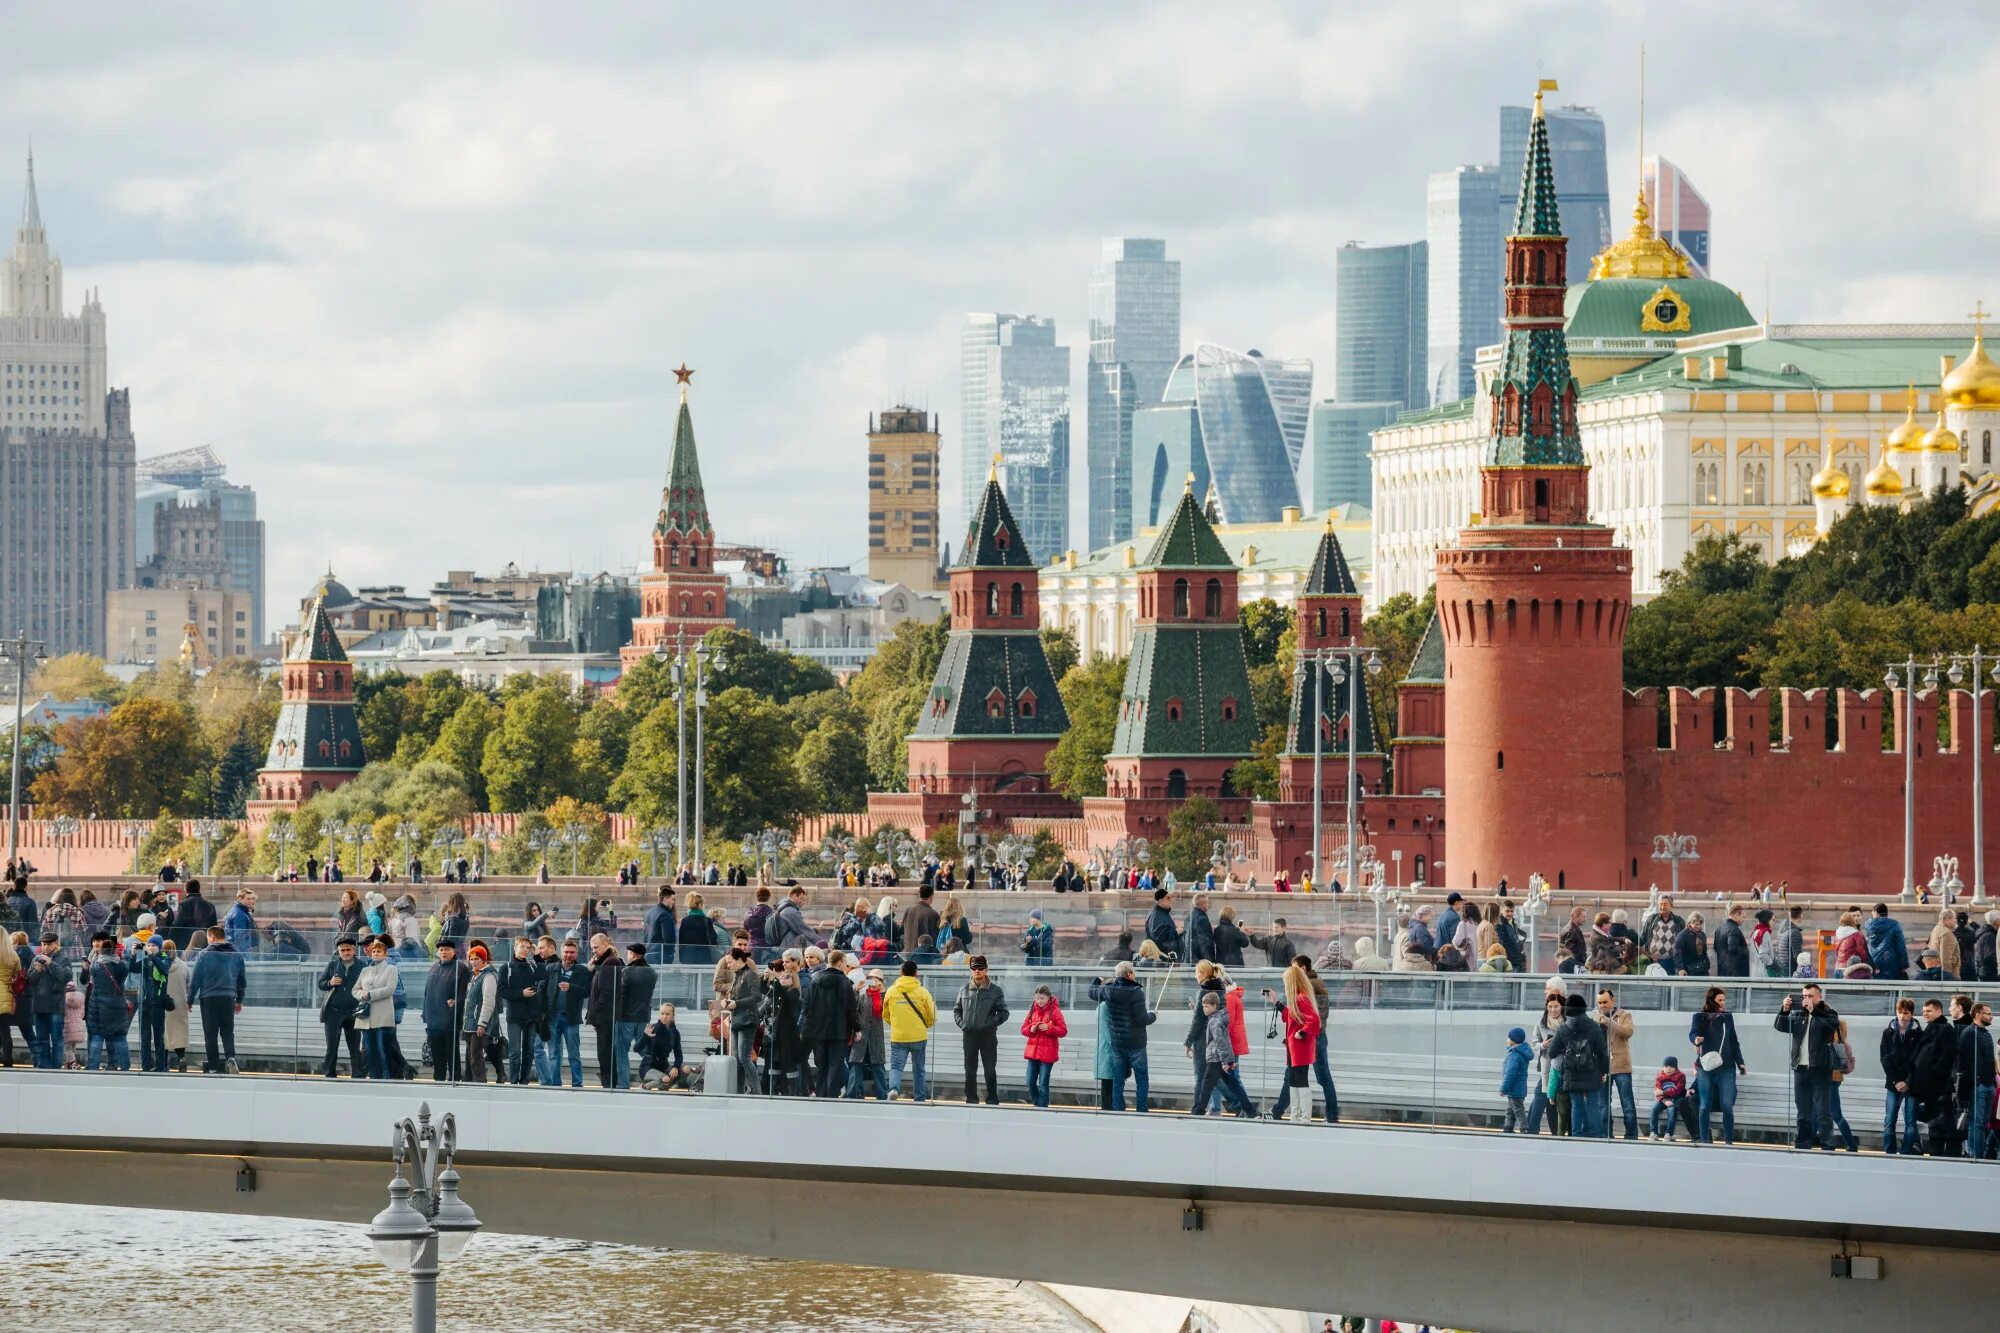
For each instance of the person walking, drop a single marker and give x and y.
(1302, 1028)
(443, 1007)
(635, 1006)
(481, 1006)
(601, 1008)
(521, 986)
(216, 988)
(338, 1007)
(375, 989)
(1322, 1069)
(1718, 1062)
(1902, 1041)
(1731, 947)
(1813, 1026)
(1129, 1017)
(979, 1011)
(1044, 1027)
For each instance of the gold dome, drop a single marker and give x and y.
(1643, 254)
(1908, 435)
(1941, 440)
(1882, 480)
(1830, 483)
(1975, 382)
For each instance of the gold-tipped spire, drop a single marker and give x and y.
(1974, 384)
(993, 467)
(1189, 489)
(1543, 86)
(1830, 482)
(1643, 253)
(1908, 435)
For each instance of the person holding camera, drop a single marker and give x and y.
(1814, 1027)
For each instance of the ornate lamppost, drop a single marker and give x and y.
(767, 845)
(1674, 848)
(1343, 666)
(1979, 664)
(655, 841)
(206, 831)
(425, 1224)
(1904, 676)
(23, 652)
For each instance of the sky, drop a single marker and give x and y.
(419, 272)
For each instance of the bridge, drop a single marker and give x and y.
(1417, 1224)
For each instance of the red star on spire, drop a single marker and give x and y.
(683, 375)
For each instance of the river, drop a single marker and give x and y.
(167, 1272)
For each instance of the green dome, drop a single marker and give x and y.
(1617, 308)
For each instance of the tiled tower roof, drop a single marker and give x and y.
(993, 541)
(317, 642)
(1427, 667)
(992, 683)
(1329, 575)
(1187, 540)
(684, 504)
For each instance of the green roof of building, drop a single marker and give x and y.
(1187, 540)
(1334, 697)
(683, 503)
(1329, 575)
(1204, 669)
(1277, 546)
(317, 642)
(984, 681)
(1802, 362)
(993, 539)
(1616, 307)
(1427, 666)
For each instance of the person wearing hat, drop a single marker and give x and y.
(373, 906)
(444, 1004)
(1929, 966)
(1582, 1057)
(1670, 1101)
(1038, 940)
(338, 1006)
(482, 1007)
(1514, 1079)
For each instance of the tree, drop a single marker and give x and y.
(233, 857)
(1258, 776)
(1191, 833)
(1264, 623)
(750, 785)
(890, 690)
(1394, 632)
(645, 788)
(1684, 638)
(143, 756)
(73, 676)
(1090, 692)
(1059, 646)
(832, 765)
(162, 841)
(646, 684)
(461, 743)
(752, 665)
(527, 760)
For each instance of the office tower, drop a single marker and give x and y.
(66, 454)
(1680, 214)
(1576, 151)
(195, 481)
(1135, 338)
(1462, 224)
(903, 498)
(1335, 470)
(1381, 323)
(1227, 418)
(1016, 395)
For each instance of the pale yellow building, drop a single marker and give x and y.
(903, 539)
(150, 625)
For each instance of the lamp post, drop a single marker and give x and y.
(1386, 896)
(362, 837)
(64, 827)
(23, 652)
(1674, 848)
(677, 671)
(1532, 909)
(1945, 884)
(1343, 666)
(1906, 736)
(280, 834)
(706, 662)
(539, 841)
(1224, 853)
(766, 845)
(425, 1224)
(134, 832)
(407, 834)
(1129, 851)
(333, 830)
(655, 841)
(969, 836)
(206, 831)
(446, 840)
(1980, 662)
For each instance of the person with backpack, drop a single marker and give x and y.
(758, 922)
(1582, 1060)
(912, 1013)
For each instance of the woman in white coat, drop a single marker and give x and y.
(375, 992)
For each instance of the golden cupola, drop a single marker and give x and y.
(1642, 254)
(1908, 436)
(1973, 384)
(1941, 440)
(1883, 482)
(1831, 483)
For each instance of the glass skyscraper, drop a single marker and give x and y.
(1235, 420)
(1381, 318)
(1335, 470)
(1583, 195)
(1680, 214)
(1016, 404)
(1462, 223)
(1135, 338)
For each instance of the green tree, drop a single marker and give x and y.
(527, 759)
(750, 784)
(69, 677)
(143, 756)
(645, 787)
(1090, 692)
(1394, 632)
(1192, 830)
(646, 684)
(1059, 646)
(752, 665)
(461, 743)
(1257, 776)
(162, 841)
(1264, 623)
(890, 690)
(832, 765)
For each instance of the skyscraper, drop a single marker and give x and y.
(1462, 224)
(66, 453)
(195, 479)
(1680, 214)
(1016, 397)
(903, 498)
(1335, 470)
(1236, 421)
(1135, 338)
(1381, 323)
(1576, 151)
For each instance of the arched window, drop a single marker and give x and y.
(1211, 603)
(324, 749)
(1173, 710)
(319, 680)
(1025, 705)
(1345, 631)
(1176, 784)
(1228, 709)
(992, 599)
(1014, 600)
(1320, 622)
(673, 555)
(1180, 597)
(1000, 538)
(346, 750)
(996, 703)
(708, 603)
(687, 604)
(694, 556)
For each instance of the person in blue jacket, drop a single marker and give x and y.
(215, 991)
(1888, 951)
(1514, 1080)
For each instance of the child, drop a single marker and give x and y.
(1514, 1080)
(76, 1034)
(1044, 1026)
(1219, 1053)
(1670, 1099)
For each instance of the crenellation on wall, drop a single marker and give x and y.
(1747, 721)
(1861, 720)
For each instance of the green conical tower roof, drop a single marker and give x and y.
(1537, 214)
(317, 642)
(994, 540)
(683, 503)
(1427, 666)
(1329, 575)
(1187, 541)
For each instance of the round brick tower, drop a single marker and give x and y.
(1533, 601)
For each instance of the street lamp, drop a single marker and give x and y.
(1906, 736)
(766, 845)
(655, 841)
(482, 845)
(678, 672)
(1389, 896)
(23, 652)
(1343, 666)
(1224, 853)
(64, 827)
(425, 1224)
(408, 834)
(1532, 909)
(134, 832)
(1945, 885)
(707, 662)
(1979, 660)
(333, 830)
(1130, 851)
(573, 836)
(1674, 848)
(206, 831)
(280, 834)
(969, 836)
(540, 840)
(446, 840)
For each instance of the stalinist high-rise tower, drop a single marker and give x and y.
(66, 453)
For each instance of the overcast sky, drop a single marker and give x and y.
(418, 272)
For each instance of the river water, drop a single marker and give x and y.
(167, 1272)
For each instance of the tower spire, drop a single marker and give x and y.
(31, 208)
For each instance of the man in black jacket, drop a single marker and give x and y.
(1902, 1042)
(444, 1007)
(1986, 949)
(635, 1006)
(568, 983)
(1160, 927)
(661, 928)
(192, 920)
(1936, 1058)
(828, 1023)
(1814, 1027)
(979, 1011)
(337, 1009)
(1730, 947)
(1975, 1080)
(1124, 1000)
(1581, 1052)
(601, 1012)
(1200, 934)
(521, 1002)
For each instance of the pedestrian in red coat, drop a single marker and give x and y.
(1302, 1027)
(1044, 1026)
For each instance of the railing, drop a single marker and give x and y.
(1422, 1050)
